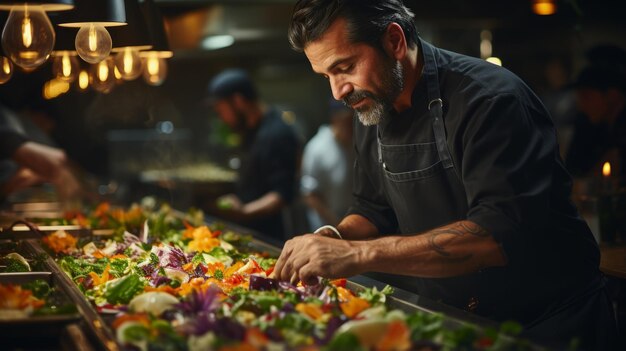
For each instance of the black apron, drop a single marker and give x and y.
(430, 196)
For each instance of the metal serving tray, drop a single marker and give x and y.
(21, 328)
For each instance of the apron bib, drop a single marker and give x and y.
(427, 196)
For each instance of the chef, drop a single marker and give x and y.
(460, 194)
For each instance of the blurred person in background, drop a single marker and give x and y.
(559, 100)
(460, 194)
(327, 164)
(266, 182)
(600, 131)
(26, 160)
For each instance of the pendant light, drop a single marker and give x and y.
(93, 41)
(129, 40)
(65, 65)
(28, 36)
(102, 76)
(154, 60)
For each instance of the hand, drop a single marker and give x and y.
(229, 202)
(308, 256)
(22, 179)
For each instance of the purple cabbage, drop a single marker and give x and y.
(258, 282)
(148, 269)
(331, 327)
(226, 328)
(198, 272)
(157, 280)
(87, 282)
(202, 301)
(170, 256)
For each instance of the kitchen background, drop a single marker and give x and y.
(120, 138)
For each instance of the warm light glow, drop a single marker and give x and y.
(93, 38)
(494, 60)
(486, 47)
(606, 169)
(6, 69)
(103, 71)
(117, 73)
(153, 66)
(83, 80)
(27, 29)
(103, 76)
(54, 88)
(93, 43)
(6, 65)
(128, 62)
(155, 69)
(65, 65)
(544, 7)
(28, 36)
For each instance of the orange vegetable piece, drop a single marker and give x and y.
(97, 280)
(135, 317)
(354, 306)
(396, 337)
(60, 241)
(310, 309)
(256, 338)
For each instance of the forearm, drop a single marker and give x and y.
(47, 162)
(266, 205)
(455, 249)
(356, 227)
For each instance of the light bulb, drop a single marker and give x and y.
(154, 69)
(65, 66)
(118, 75)
(83, 80)
(93, 43)
(128, 63)
(102, 76)
(6, 69)
(28, 36)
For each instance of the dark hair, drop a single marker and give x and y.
(367, 20)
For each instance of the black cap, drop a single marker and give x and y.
(600, 77)
(231, 82)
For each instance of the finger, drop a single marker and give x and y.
(308, 276)
(280, 263)
(294, 278)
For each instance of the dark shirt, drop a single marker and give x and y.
(10, 141)
(503, 145)
(270, 164)
(11, 137)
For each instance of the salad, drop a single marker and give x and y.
(35, 298)
(178, 284)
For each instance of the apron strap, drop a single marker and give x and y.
(435, 105)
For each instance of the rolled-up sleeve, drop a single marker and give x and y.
(508, 155)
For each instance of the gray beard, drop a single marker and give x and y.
(381, 105)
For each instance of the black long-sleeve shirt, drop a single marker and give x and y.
(504, 148)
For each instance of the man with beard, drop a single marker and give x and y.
(267, 179)
(459, 194)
